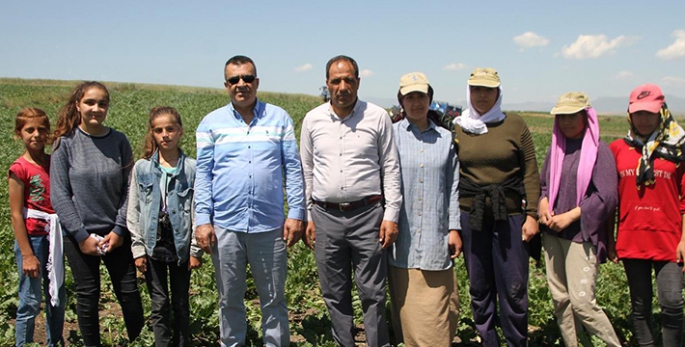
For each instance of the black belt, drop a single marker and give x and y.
(349, 206)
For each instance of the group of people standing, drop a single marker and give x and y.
(393, 203)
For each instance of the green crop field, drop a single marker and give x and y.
(310, 325)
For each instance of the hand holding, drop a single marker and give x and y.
(544, 215)
(90, 246)
(111, 242)
(292, 231)
(141, 264)
(194, 263)
(388, 233)
(30, 265)
(310, 235)
(206, 238)
(454, 243)
(680, 254)
(529, 229)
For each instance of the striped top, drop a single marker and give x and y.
(430, 208)
(242, 170)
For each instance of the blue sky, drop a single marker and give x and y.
(541, 48)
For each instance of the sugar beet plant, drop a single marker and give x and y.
(310, 325)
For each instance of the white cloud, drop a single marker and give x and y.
(676, 49)
(671, 80)
(530, 39)
(366, 73)
(455, 66)
(305, 67)
(595, 46)
(624, 75)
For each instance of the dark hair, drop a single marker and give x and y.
(240, 60)
(150, 144)
(27, 113)
(342, 58)
(69, 116)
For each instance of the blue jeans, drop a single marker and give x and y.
(267, 255)
(31, 292)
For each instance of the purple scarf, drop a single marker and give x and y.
(588, 157)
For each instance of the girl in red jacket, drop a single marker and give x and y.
(650, 220)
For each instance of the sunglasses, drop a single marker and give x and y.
(245, 78)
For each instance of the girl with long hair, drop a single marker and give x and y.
(89, 173)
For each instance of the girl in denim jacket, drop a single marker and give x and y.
(160, 219)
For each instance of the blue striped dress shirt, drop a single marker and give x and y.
(241, 170)
(430, 205)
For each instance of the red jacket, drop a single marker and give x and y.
(650, 219)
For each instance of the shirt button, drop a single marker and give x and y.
(420, 165)
(421, 150)
(249, 146)
(341, 188)
(419, 213)
(421, 181)
(418, 231)
(249, 162)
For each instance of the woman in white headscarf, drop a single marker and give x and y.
(499, 189)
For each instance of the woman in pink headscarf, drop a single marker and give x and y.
(579, 192)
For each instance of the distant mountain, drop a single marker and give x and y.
(619, 105)
(603, 105)
(528, 106)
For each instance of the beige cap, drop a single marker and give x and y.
(413, 82)
(484, 77)
(570, 103)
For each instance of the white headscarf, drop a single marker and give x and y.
(473, 122)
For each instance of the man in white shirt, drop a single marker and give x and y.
(352, 189)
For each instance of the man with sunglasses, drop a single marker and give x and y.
(246, 153)
(352, 189)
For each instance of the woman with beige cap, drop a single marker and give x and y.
(579, 193)
(650, 235)
(422, 282)
(499, 189)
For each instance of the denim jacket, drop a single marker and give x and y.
(144, 205)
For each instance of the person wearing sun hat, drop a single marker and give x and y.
(649, 162)
(499, 190)
(422, 283)
(573, 214)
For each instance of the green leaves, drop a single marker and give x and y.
(310, 325)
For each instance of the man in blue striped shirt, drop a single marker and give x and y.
(246, 152)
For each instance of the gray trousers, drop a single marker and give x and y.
(345, 240)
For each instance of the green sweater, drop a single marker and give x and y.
(505, 151)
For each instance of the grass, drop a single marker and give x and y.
(310, 325)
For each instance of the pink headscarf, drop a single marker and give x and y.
(588, 157)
